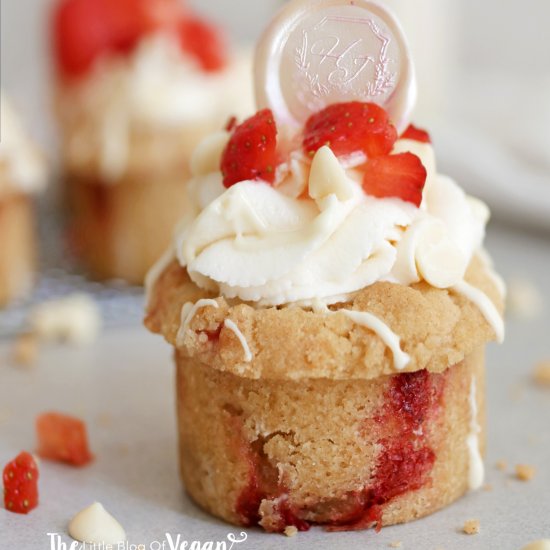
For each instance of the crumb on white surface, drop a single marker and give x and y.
(525, 472)
(75, 319)
(104, 419)
(542, 373)
(524, 299)
(501, 465)
(543, 544)
(471, 527)
(290, 531)
(396, 544)
(488, 487)
(25, 349)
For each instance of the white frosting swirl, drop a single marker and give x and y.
(25, 167)
(157, 85)
(263, 244)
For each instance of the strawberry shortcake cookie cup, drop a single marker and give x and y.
(138, 84)
(22, 174)
(329, 320)
(329, 301)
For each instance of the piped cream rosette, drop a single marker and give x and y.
(316, 236)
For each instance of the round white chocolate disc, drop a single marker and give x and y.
(318, 52)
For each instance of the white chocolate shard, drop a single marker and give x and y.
(328, 177)
(438, 259)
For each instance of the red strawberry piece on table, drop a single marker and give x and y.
(416, 134)
(251, 151)
(204, 41)
(63, 438)
(20, 478)
(350, 127)
(402, 176)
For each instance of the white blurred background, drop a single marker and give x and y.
(484, 75)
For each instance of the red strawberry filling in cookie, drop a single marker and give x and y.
(403, 464)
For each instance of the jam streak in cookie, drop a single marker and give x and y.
(404, 463)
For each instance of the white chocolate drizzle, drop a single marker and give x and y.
(156, 271)
(188, 311)
(485, 305)
(497, 280)
(228, 323)
(476, 471)
(370, 321)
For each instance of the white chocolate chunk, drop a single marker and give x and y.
(95, 525)
(75, 319)
(328, 177)
(206, 157)
(438, 258)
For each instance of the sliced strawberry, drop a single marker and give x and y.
(402, 176)
(63, 438)
(21, 484)
(416, 134)
(251, 151)
(79, 34)
(204, 41)
(350, 127)
(231, 124)
(83, 30)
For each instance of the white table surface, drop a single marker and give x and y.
(122, 387)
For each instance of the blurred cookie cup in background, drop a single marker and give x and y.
(22, 173)
(138, 84)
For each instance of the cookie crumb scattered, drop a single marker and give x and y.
(290, 531)
(396, 544)
(501, 465)
(525, 472)
(471, 527)
(487, 487)
(105, 420)
(25, 350)
(543, 544)
(524, 299)
(542, 373)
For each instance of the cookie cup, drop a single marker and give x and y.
(300, 417)
(17, 246)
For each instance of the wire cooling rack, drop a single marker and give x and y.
(59, 275)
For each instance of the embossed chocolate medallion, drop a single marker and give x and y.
(318, 52)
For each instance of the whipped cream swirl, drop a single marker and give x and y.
(269, 245)
(157, 86)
